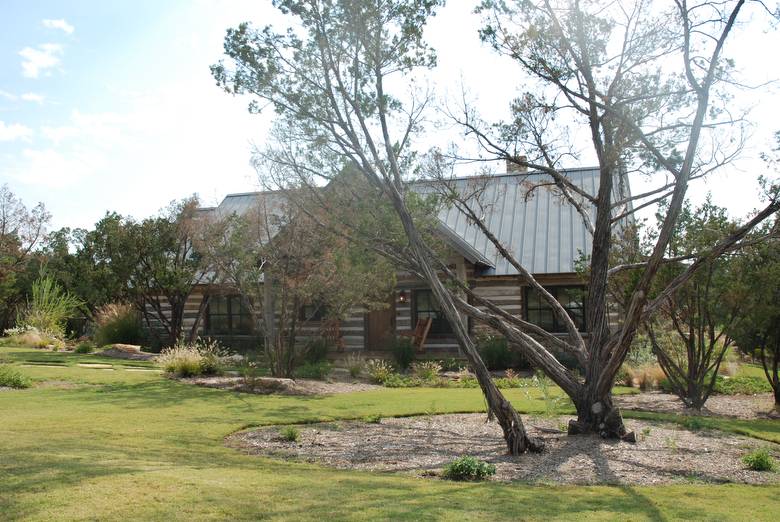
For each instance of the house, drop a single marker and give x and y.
(545, 233)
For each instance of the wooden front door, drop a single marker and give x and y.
(380, 327)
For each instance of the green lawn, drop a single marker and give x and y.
(114, 444)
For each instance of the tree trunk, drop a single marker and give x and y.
(599, 415)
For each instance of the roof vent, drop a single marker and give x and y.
(514, 168)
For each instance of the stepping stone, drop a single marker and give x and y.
(141, 370)
(97, 366)
(41, 365)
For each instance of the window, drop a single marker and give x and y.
(425, 305)
(313, 312)
(228, 315)
(539, 312)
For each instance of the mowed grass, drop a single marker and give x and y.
(97, 444)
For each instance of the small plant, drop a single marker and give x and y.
(373, 419)
(117, 323)
(84, 347)
(249, 373)
(290, 434)
(403, 352)
(646, 432)
(552, 402)
(468, 468)
(494, 352)
(310, 370)
(693, 423)
(12, 378)
(354, 363)
(379, 370)
(426, 370)
(759, 460)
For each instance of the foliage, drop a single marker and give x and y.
(759, 460)
(31, 337)
(468, 468)
(693, 423)
(249, 372)
(117, 323)
(317, 350)
(741, 385)
(403, 352)
(313, 370)
(290, 434)
(379, 370)
(203, 357)
(373, 419)
(426, 370)
(494, 352)
(545, 387)
(10, 377)
(49, 307)
(84, 347)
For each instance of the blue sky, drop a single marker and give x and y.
(111, 106)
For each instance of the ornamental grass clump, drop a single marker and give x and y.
(48, 308)
(426, 370)
(117, 323)
(468, 468)
(290, 434)
(191, 360)
(379, 370)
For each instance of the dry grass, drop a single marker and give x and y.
(647, 377)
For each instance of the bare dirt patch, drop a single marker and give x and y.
(760, 406)
(126, 351)
(423, 445)
(269, 385)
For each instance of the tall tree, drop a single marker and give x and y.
(648, 86)
(330, 81)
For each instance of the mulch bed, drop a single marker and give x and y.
(423, 445)
(759, 406)
(273, 385)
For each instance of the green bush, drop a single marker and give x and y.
(468, 468)
(494, 352)
(693, 424)
(191, 360)
(311, 370)
(403, 352)
(117, 323)
(373, 419)
(290, 434)
(84, 348)
(12, 378)
(31, 337)
(759, 460)
(317, 350)
(742, 385)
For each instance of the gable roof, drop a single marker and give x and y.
(543, 231)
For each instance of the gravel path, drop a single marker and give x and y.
(268, 385)
(423, 445)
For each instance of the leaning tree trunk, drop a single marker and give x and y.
(515, 436)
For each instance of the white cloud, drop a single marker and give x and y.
(52, 169)
(33, 97)
(14, 131)
(7, 95)
(58, 24)
(39, 60)
(58, 134)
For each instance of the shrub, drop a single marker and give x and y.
(249, 373)
(49, 307)
(648, 377)
(316, 350)
(290, 434)
(84, 348)
(117, 323)
(759, 460)
(312, 370)
(743, 385)
(403, 352)
(12, 378)
(624, 377)
(468, 468)
(190, 360)
(426, 370)
(693, 424)
(31, 337)
(354, 363)
(379, 370)
(494, 352)
(373, 419)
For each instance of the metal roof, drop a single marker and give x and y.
(544, 232)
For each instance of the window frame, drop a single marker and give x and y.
(233, 318)
(557, 327)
